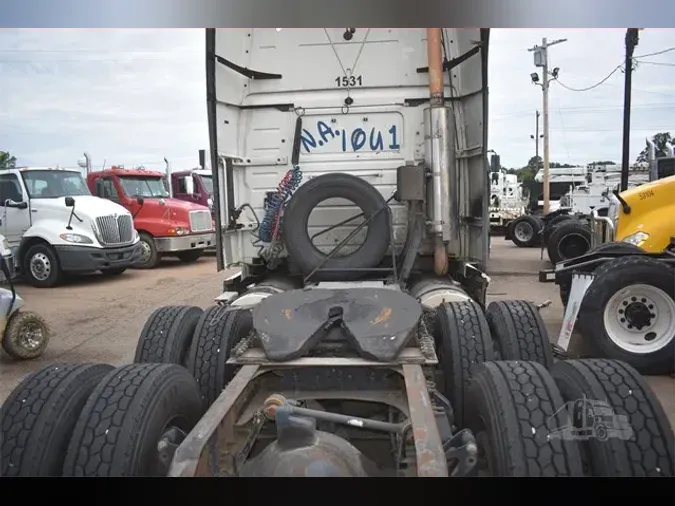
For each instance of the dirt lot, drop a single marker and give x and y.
(96, 320)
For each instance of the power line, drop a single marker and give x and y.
(618, 67)
(590, 87)
(658, 63)
(655, 54)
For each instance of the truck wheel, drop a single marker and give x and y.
(149, 256)
(190, 256)
(519, 332)
(167, 335)
(569, 239)
(26, 335)
(638, 438)
(133, 421)
(39, 416)
(628, 313)
(218, 330)
(41, 267)
(464, 341)
(512, 409)
(298, 243)
(619, 247)
(525, 231)
(550, 226)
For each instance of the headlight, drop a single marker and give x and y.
(637, 238)
(178, 231)
(76, 238)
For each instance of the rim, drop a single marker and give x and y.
(640, 319)
(31, 336)
(572, 246)
(146, 252)
(172, 436)
(40, 266)
(523, 231)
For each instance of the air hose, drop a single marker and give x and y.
(270, 227)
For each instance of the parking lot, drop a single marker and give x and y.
(97, 320)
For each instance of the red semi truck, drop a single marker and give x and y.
(193, 185)
(166, 226)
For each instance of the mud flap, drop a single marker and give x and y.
(580, 284)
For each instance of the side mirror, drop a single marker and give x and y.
(70, 202)
(16, 205)
(140, 201)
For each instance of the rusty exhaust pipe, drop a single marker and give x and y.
(435, 61)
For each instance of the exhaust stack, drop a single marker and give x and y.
(440, 157)
(167, 169)
(87, 161)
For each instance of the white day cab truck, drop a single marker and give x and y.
(55, 227)
(354, 339)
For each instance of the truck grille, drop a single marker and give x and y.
(200, 221)
(115, 229)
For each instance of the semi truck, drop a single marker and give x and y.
(356, 341)
(621, 294)
(167, 227)
(194, 185)
(55, 226)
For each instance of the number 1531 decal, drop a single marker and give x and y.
(348, 81)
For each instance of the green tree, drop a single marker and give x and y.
(660, 141)
(7, 161)
(604, 162)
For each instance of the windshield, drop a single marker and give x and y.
(50, 184)
(150, 187)
(207, 181)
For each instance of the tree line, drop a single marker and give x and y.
(660, 140)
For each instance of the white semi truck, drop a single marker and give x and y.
(353, 338)
(54, 226)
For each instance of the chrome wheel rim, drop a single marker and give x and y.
(40, 266)
(640, 319)
(523, 231)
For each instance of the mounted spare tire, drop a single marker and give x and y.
(297, 240)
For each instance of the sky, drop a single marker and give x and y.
(133, 97)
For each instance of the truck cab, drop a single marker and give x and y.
(166, 226)
(642, 215)
(54, 226)
(194, 185)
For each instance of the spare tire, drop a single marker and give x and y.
(297, 240)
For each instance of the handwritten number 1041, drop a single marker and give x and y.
(348, 81)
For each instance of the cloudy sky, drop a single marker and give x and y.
(135, 96)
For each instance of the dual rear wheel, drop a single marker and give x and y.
(94, 420)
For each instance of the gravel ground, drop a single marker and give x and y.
(97, 320)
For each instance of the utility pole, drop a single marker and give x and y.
(541, 60)
(631, 42)
(536, 136)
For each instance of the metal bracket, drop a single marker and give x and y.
(461, 450)
(580, 284)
